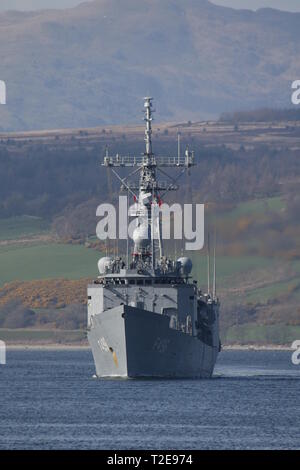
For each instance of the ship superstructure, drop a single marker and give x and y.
(146, 316)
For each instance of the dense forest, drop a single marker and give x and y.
(56, 181)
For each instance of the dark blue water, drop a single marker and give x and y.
(49, 400)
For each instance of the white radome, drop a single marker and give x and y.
(104, 264)
(186, 265)
(140, 236)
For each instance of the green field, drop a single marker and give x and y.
(264, 294)
(47, 261)
(22, 226)
(44, 336)
(256, 207)
(261, 334)
(296, 266)
(55, 260)
(228, 266)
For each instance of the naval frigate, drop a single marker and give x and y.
(146, 315)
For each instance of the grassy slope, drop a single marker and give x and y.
(46, 262)
(228, 266)
(261, 334)
(43, 261)
(35, 336)
(22, 226)
(264, 294)
(257, 206)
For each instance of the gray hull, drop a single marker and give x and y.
(130, 342)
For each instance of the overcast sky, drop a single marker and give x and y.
(293, 5)
(36, 4)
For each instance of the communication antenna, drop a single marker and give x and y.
(111, 196)
(208, 264)
(2, 92)
(214, 281)
(178, 146)
(127, 241)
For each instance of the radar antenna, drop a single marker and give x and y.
(148, 191)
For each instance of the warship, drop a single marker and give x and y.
(146, 315)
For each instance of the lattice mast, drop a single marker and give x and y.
(147, 235)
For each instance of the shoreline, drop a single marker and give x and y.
(47, 346)
(256, 347)
(80, 346)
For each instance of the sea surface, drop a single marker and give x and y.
(50, 400)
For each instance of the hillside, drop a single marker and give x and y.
(247, 174)
(43, 283)
(91, 64)
(57, 175)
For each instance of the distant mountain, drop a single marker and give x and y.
(91, 64)
(262, 115)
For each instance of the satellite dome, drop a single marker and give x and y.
(141, 236)
(185, 265)
(104, 264)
